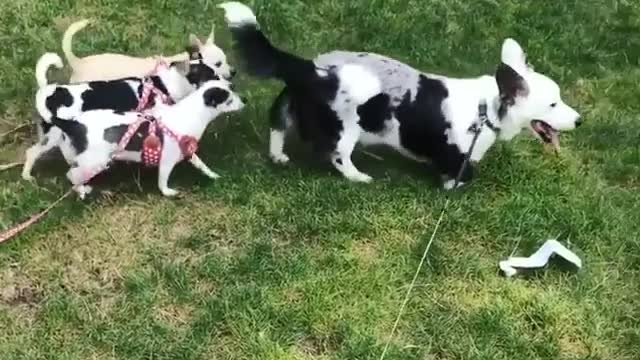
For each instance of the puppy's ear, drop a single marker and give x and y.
(194, 41)
(215, 96)
(514, 56)
(511, 84)
(181, 66)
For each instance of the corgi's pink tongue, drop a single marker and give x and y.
(546, 133)
(555, 139)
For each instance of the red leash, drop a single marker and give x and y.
(15, 230)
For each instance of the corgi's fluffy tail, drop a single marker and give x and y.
(261, 58)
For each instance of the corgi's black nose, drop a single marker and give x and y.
(244, 100)
(233, 72)
(578, 122)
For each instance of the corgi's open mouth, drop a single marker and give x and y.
(546, 133)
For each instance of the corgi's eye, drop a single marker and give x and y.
(554, 105)
(218, 64)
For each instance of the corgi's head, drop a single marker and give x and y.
(530, 100)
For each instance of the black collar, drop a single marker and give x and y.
(483, 120)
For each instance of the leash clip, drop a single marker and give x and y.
(482, 120)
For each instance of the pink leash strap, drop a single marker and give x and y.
(17, 229)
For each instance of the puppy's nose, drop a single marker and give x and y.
(579, 122)
(244, 100)
(233, 72)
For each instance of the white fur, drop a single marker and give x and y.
(109, 66)
(357, 85)
(238, 14)
(188, 117)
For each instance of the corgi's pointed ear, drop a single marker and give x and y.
(514, 56)
(194, 41)
(510, 84)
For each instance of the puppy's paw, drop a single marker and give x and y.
(449, 185)
(83, 191)
(281, 158)
(169, 192)
(360, 178)
(27, 177)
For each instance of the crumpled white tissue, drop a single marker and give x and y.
(539, 259)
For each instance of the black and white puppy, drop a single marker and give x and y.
(93, 136)
(67, 102)
(423, 116)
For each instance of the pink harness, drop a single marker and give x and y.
(152, 145)
(148, 88)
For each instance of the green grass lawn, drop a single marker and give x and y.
(295, 262)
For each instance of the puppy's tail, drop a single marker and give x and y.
(67, 40)
(44, 63)
(261, 58)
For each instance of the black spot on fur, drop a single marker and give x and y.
(361, 55)
(61, 97)
(200, 73)
(215, 96)
(316, 122)
(76, 131)
(45, 126)
(374, 113)
(115, 133)
(423, 128)
(115, 95)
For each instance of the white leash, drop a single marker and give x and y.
(415, 278)
(477, 129)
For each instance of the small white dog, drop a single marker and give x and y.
(111, 66)
(94, 137)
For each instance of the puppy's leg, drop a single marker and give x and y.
(200, 165)
(85, 166)
(170, 157)
(46, 144)
(451, 170)
(68, 152)
(280, 123)
(77, 177)
(341, 157)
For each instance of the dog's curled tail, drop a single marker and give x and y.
(44, 63)
(67, 40)
(261, 58)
